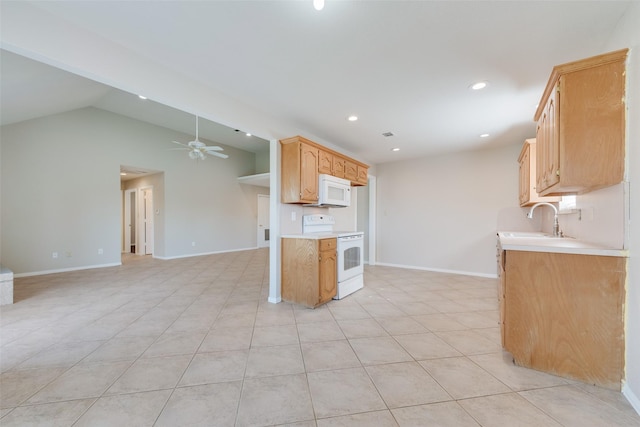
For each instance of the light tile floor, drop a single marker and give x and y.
(194, 341)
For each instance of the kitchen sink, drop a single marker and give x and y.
(524, 234)
(528, 234)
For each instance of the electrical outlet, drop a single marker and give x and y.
(100, 251)
(193, 243)
(293, 216)
(54, 255)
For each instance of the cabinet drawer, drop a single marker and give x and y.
(328, 244)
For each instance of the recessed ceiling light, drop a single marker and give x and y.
(142, 97)
(318, 4)
(352, 118)
(478, 85)
(395, 149)
(248, 134)
(387, 134)
(123, 174)
(484, 135)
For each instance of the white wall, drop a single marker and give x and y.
(65, 193)
(628, 35)
(362, 219)
(601, 219)
(440, 212)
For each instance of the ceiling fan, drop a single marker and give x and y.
(198, 149)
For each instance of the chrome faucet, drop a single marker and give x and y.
(556, 226)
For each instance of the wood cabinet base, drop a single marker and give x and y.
(309, 271)
(564, 315)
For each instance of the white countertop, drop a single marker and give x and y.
(318, 236)
(540, 242)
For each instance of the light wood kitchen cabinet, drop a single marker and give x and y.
(338, 166)
(527, 161)
(355, 173)
(564, 314)
(363, 175)
(325, 162)
(301, 162)
(309, 270)
(581, 126)
(350, 171)
(299, 172)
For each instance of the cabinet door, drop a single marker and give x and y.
(308, 173)
(325, 162)
(552, 167)
(338, 166)
(328, 275)
(548, 146)
(540, 150)
(362, 175)
(350, 171)
(525, 177)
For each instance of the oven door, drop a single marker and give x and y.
(350, 257)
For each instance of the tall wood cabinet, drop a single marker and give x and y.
(527, 190)
(564, 314)
(580, 129)
(303, 160)
(299, 175)
(309, 270)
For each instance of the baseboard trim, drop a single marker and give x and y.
(204, 253)
(65, 270)
(116, 264)
(439, 270)
(631, 397)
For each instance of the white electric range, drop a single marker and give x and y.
(350, 249)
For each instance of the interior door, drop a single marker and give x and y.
(263, 221)
(129, 223)
(147, 220)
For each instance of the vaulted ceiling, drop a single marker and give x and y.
(402, 67)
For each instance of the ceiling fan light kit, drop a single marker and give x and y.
(198, 149)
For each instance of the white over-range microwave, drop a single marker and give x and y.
(333, 192)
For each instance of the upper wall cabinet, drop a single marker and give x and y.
(299, 176)
(581, 126)
(527, 162)
(303, 160)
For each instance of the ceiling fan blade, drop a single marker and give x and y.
(180, 143)
(213, 148)
(213, 153)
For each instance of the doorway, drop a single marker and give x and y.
(129, 245)
(263, 220)
(146, 221)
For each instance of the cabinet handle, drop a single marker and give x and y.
(558, 172)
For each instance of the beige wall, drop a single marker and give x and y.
(440, 213)
(65, 192)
